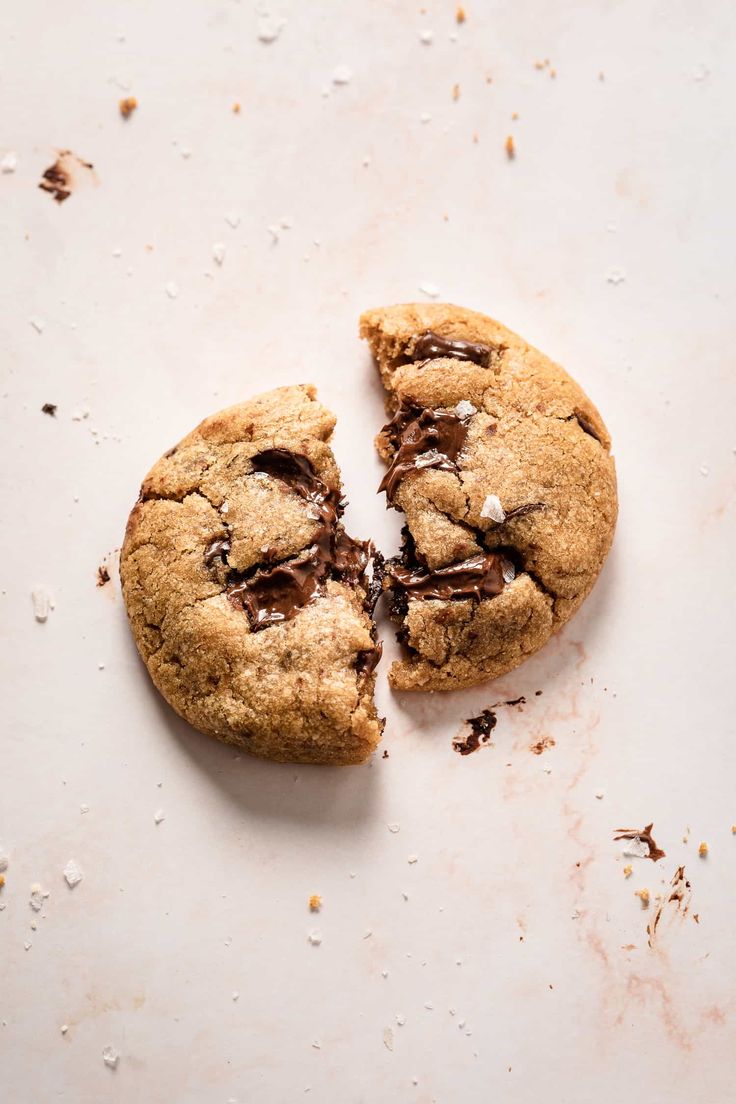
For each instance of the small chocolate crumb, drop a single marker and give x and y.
(385, 753)
(645, 835)
(50, 409)
(128, 106)
(57, 179)
(103, 575)
(480, 733)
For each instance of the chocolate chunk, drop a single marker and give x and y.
(480, 576)
(367, 661)
(586, 426)
(103, 575)
(270, 595)
(431, 346)
(422, 438)
(217, 550)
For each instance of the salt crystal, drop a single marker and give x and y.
(388, 1038)
(393, 827)
(316, 1044)
(315, 937)
(430, 290)
(616, 276)
(413, 858)
(218, 252)
(368, 934)
(110, 1057)
(84, 808)
(9, 162)
(41, 603)
(286, 223)
(636, 848)
(158, 816)
(400, 1019)
(599, 794)
(274, 232)
(27, 945)
(342, 75)
(172, 289)
(269, 28)
(704, 469)
(508, 571)
(428, 459)
(425, 118)
(232, 218)
(493, 509)
(465, 409)
(72, 874)
(64, 1028)
(235, 994)
(426, 37)
(384, 973)
(429, 1006)
(38, 324)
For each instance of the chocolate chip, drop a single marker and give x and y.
(430, 346)
(50, 409)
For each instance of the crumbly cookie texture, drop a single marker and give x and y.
(248, 602)
(501, 466)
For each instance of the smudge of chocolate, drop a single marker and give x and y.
(480, 576)
(272, 595)
(431, 346)
(421, 438)
(50, 409)
(481, 728)
(385, 753)
(679, 897)
(218, 549)
(367, 660)
(522, 511)
(57, 179)
(586, 426)
(171, 452)
(542, 745)
(103, 575)
(515, 701)
(645, 835)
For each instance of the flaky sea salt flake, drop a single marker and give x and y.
(110, 1057)
(72, 874)
(493, 509)
(218, 252)
(430, 290)
(343, 74)
(9, 162)
(41, 603)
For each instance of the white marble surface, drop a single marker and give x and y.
(519, 923)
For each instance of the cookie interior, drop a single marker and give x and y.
(250, 604)
(501, 465)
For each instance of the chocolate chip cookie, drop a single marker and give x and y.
(249, 603)
(502, 467)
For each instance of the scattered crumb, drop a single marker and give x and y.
(640, 836)
(103, 575)
(232, 218)
(510, 147)
(599, 794)
(385, 753)
(542, 745)
(315, 937)
(269, 28)
(393, 827)
(72, 874)
(514, 116)
(127, 106)
(236, 108)
(84, 808)
(110, 1057)
(41, 603)
(315, 902)
(58, 179)
(50, 409)
(456, 92)
(628, 870)
(9, 162)
(460, 15)
(412, 859)
(703, 850)
(615, 276)
(733, 829)
(2, 880)
(64, 1028)
(643, 895)
(235, 994)
(38, 324)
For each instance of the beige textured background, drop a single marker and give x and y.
(518, 915)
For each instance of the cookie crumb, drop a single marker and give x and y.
(269, 28)
(426, 37)
(456, 92)
(393, 827)
(430, 290)
(103, 575)
(3, 862)
(236, 108)
(2, 880)
(127, 106)
(510, 147)
(315, 902)
(460, 15)
(628, 870)
(412, 859)
(643, 895)
(64, 1028)
(703, 850)
(50, 409)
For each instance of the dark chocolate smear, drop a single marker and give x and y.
(586, 426)
(367, 661)
(480, 732)
(422, 438)
(430, 346)
(480, 576)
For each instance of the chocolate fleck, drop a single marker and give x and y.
(50, 409)
(527, 508)
(103, 575)
(481, 728)
(431, 346)
(645, 835)
(586, 426)
(421, 438)
(57, 178)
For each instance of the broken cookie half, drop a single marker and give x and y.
(249, 603)
(501, 466)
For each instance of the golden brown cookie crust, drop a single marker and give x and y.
(534, 438)
(292, 691)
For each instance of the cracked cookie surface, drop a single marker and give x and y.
(248, 602)
(502, 467)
